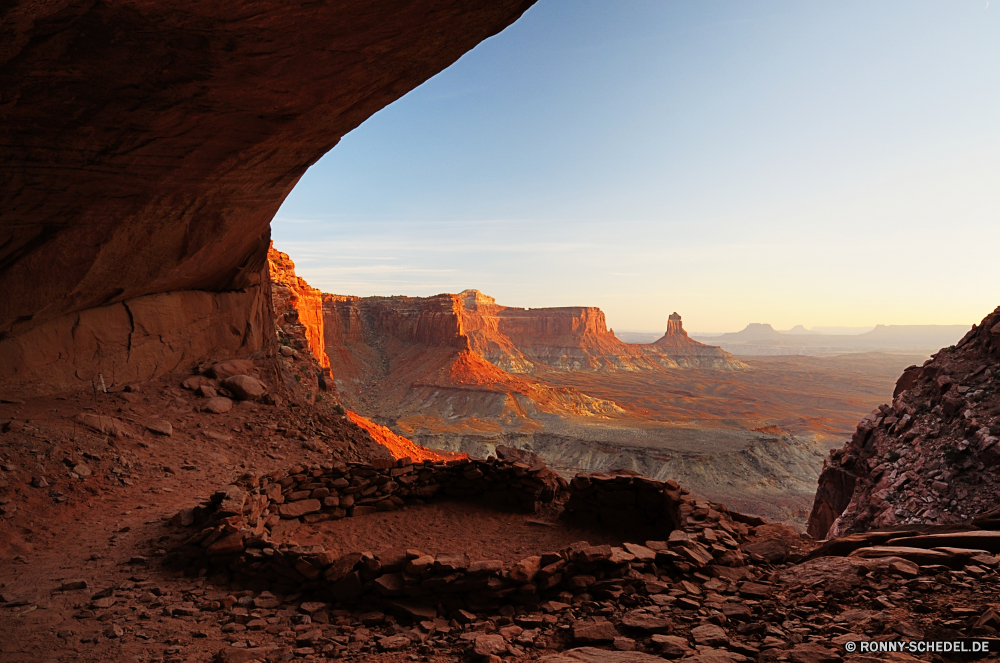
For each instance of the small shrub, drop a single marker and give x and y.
(319, 398)
(298, 378)
(339, 409)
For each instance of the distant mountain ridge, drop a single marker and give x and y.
(763, 339)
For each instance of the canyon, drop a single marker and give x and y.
(204, 458)
(461, 373)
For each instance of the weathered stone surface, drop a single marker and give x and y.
(813, 653)
(245, 655)
(594, 632)
(217, 405)
(594, 655)
(710, 635)
(227, 545)
(485, 645)
(646, 622)
(826, 569)
(770, 550)
(244, 387)
(103, 424)
(526, 569)
(916, 555)
(413, 610)
(394, 643)
(299, 508)
(672, 646)
(224, 370)
(160, 427)
(989, 541)
(145, 235)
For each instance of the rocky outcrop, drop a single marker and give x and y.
(297, 301)
(928, 458)
(146, 148)
(688, 353)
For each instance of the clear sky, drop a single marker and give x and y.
(816, 163)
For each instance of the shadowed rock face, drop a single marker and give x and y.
(929, 458)
(145, 147)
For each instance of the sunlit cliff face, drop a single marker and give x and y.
(399, 446)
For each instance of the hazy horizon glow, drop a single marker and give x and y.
(823, 164)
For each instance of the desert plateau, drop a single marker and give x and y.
(227, 437)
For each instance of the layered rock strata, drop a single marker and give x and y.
(146, 148)
(514, 339)
(930, 456)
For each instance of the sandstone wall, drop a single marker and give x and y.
(296, 301)
(135, 340)
(146, 147)
(424, 320)
(342, 323)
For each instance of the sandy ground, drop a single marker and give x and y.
(482, 532)
(102, 517)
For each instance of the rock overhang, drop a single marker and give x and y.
(146, 147)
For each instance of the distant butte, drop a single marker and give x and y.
(689, 353)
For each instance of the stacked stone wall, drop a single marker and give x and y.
(233, 544)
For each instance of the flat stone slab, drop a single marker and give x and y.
(920, 556)
(594, 655)
(300, 508)
(824, 569)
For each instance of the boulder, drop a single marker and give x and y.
(774, 551)
(244, 387)
(227, 369)
(104, 425)
(217, 405)
(487, 645)
(525, 570)
(160, 427)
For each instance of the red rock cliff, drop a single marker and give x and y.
(146, 147)
(293, 297)
(342, 323)
(425, 320)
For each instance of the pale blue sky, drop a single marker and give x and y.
(816, 163)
